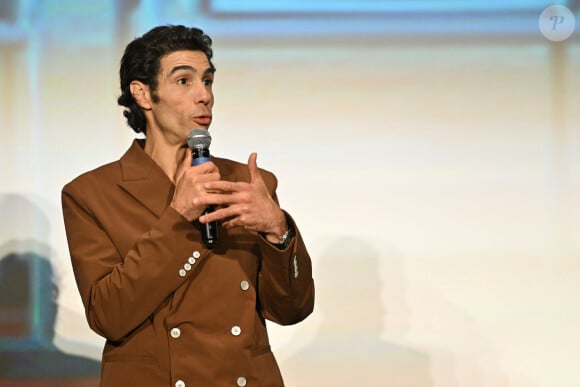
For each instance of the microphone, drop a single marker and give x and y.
(198, 141)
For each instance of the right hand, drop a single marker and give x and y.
(189, 189)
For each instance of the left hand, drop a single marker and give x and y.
(247, 205)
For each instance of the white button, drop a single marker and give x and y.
(187, 267)
(182, 273)
(196, 254)
(191, 260)
(241, 381)
(244, 285)
(175, 333)
(180, 383)
(236, 330)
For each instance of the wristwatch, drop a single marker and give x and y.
(286, 238)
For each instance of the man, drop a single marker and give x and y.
(173, 311)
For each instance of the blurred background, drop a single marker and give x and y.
(429, 151)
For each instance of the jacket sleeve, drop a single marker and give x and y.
(285, 286)
(120, 292)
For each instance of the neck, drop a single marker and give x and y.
(167, 156)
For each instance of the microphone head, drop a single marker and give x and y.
(198, 138)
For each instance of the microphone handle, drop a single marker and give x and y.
(209, 231)
(199, 156)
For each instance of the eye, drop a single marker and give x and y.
(208, 81)
(182, 81)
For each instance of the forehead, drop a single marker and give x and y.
(195, 59)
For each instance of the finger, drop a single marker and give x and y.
(225, 186)
(207, 167)
(203, 173)
(219, 214)
(253, 168)
(237, 222)
(218, 199)
(206, 178)
(230, 224)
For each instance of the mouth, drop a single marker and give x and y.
(204, 119)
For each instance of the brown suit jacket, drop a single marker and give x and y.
(173, 312)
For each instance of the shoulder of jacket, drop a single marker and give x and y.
(103, 175)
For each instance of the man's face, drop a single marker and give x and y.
(184, 97)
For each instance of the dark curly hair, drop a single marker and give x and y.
(141, 62)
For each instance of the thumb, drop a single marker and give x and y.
(253, 168)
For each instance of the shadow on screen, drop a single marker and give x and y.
(27, 317)
(347, 349)
(28, 308)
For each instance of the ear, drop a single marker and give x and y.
(141, 93)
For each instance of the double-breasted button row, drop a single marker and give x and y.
(188, 265)
(236, 330)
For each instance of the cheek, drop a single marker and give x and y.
(178, 106)
(167, 115)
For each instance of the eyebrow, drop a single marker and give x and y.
(209, 70)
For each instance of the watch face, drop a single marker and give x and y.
(287, 237)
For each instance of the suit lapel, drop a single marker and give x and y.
(145, 181)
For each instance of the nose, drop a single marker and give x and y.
(203, 94)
